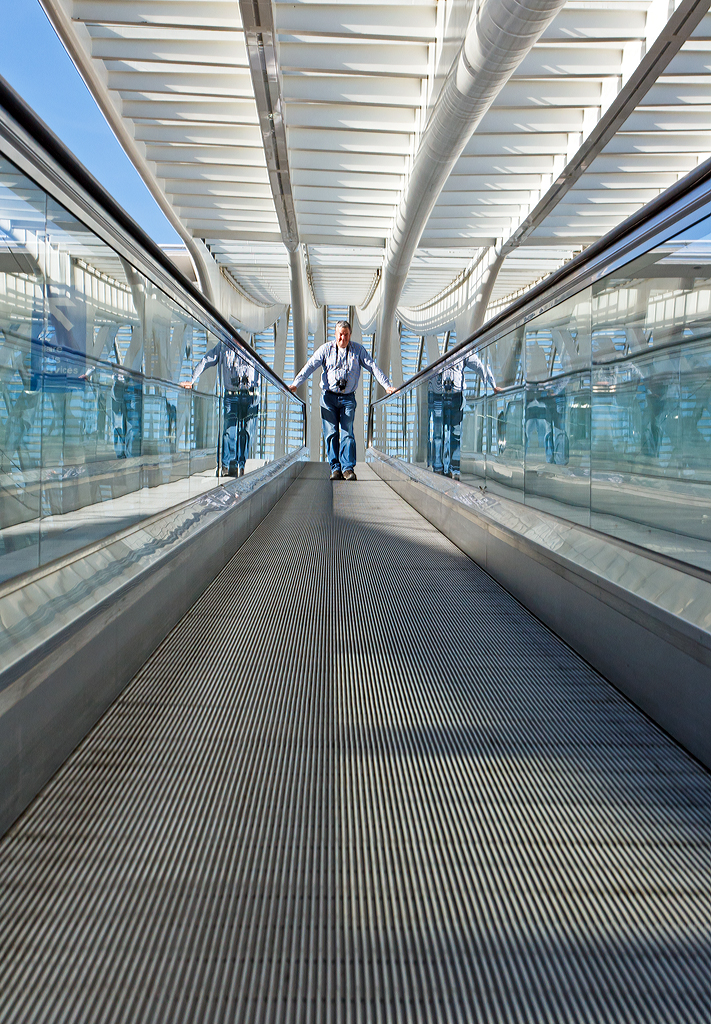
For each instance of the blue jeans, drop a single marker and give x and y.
(434, 446)
(337, 414)
(452, 415)
(240, 411)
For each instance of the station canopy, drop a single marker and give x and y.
(261, 125)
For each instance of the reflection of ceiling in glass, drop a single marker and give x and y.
(695, 254)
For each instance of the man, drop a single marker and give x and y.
(240, 404)
(341, 361)
(445, 399)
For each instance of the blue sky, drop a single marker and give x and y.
(35, 63)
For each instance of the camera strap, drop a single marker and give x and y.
(340, 368)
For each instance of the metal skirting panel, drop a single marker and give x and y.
(359, 782)
(63, 678)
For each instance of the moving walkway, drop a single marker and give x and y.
(279, 748)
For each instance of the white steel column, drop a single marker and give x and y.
(359, 424)
(314, 423)
(297, 281)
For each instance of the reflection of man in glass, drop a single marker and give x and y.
(240, 404)
(127, 410)
(445, 402)
(13, 371)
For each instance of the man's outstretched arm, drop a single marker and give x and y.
(369, 363)
(210, 358)
(485, 372)
(316, 360)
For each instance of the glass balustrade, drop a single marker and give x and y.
(603, 416)
(97, 427)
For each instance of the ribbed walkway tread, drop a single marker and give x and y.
(359, 783)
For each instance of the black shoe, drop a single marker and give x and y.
(336, 475)
(349, 475)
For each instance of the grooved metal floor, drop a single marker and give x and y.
(359, 783)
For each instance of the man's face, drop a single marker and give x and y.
(343, 336)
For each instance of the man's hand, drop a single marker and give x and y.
(391, 391)
(185, 384)
(292, 388)
(497, 389)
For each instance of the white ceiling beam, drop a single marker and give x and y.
(203, 231)
(663, 142)
(177, 108)
(669, 121)
(221, 53)
(196, 135)
(502, 163)
(329, 209)
(362, 163)
(522, 93)
(348, 179)
(510, 121)
(600, 24)
(649, 163)
(469, 241)
(344, 142)
(353, 89)
(585, 61)
(211, 173)
(490, 145)
(611, 181)
(412, 21)
(693, 67)
(188, 154)
(352, 117)
(353, 196)
(226, 205)
(181, 80)
(206, 14)
(497, 182)
(678, 95)
(370, 59)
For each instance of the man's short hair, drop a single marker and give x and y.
(344, 323)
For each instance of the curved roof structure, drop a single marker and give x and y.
(268, 128)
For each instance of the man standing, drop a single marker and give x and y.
(240, 382)
(341, 361)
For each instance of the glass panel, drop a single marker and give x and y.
(115, 403)
(22, 323)
(651, 416)
(504, 463)
(604, 416)
(556, 410)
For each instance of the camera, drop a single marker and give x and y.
(245, 380)
(448, 384)
(341, 383)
